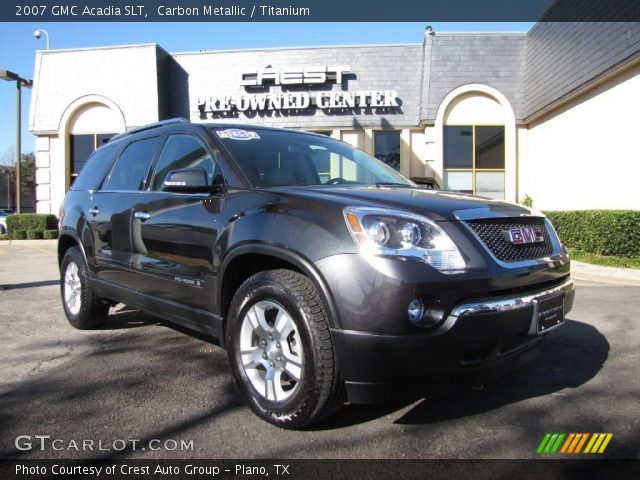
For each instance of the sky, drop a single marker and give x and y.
(18, 46)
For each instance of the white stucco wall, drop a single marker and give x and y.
(83, 91)
(128, 76)
(586, 154)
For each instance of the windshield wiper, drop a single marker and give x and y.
(392, 184)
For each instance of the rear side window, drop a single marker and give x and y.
(133, 165)
(95, 169)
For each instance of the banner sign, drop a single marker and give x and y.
(318, 11)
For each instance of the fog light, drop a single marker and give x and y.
(415, 310)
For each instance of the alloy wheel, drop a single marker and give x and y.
(72, 288)
(271, 351)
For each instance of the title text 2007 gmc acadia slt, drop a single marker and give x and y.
(321, 270)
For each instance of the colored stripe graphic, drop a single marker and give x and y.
(556, 446)
(543, 443)
(572, 443)
(605, 443)
(550, 443)
(565, 447)
(594, 437)
(598, 443)
(581, 443)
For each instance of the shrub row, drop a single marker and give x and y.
(603, 232)
(32, 234)
(32, 221)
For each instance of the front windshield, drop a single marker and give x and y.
(272, 158)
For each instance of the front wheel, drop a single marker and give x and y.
(280, 350)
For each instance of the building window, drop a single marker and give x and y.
(386, 147)
(82, 146)
(474, 159)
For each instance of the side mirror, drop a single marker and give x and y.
(188, 180)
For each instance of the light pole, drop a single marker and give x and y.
(20, 82)
(37, 33)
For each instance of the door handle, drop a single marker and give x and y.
(94, 211)
(142, 216)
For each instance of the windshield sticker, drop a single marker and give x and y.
(237, 134)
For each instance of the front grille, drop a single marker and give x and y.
(492, 232)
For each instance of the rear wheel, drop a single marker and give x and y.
(82, 309)
(280, 350)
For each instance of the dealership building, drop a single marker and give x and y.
(552, 114)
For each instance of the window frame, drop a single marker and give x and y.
(113, 157)
(118, 155)
(72, 176)
(388, 130)
(156, 159)
(473, 168)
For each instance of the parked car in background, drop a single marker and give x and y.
(326, 274)
(4, 213)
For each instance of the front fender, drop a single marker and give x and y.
(296, 259)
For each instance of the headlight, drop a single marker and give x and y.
(380, 231)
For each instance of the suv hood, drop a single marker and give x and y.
(438, 205)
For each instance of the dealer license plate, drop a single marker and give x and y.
(550, 311)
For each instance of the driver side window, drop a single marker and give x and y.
(184, 151)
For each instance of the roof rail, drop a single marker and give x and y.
(150, 126)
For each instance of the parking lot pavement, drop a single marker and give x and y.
(139, 379)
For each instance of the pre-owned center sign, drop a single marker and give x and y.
(299, 99)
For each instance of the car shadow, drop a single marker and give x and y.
(568, 358)
(18, 286)
(124, 317)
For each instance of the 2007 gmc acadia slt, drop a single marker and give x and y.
(326, 274)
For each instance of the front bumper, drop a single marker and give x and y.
(480, 338)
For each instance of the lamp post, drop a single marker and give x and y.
(39, 32)
(20, 82)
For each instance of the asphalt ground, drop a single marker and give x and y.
(139, 379)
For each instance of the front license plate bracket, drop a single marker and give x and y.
(548, 313)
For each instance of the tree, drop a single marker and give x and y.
(27, 171)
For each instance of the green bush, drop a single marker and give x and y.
(31, 221)
(5, 236)
(50, 234)
(18, 234)
(602, 232)
(34, 234)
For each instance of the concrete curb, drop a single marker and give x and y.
(29, 242)
(598, 273)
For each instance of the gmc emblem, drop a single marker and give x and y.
(524, 235)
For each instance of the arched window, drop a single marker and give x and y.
(478, 130)
(90, 127)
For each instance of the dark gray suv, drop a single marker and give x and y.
(326, 275)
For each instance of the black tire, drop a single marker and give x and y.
(90, 312)
(320, 391)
